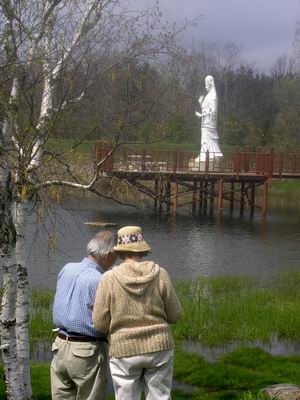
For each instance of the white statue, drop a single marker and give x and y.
(209, 112)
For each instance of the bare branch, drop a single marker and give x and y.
(88, 22)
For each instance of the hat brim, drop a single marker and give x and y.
(136, 247)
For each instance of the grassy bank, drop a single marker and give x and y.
(285, 188)
(238, 375)
(217, 311)
(220, 310)
(87, 146)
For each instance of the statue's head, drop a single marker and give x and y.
(209, 82)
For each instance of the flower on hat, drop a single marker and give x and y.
(134, 238)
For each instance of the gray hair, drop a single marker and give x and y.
(102, 244)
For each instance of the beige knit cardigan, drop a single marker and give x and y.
(135, 304)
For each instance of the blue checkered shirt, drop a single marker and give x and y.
(74, 298)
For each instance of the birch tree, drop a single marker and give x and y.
(40, 43)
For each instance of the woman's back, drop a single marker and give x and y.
(142, 304)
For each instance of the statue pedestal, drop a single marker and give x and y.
(196, 165)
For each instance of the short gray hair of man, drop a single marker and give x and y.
(102, 244)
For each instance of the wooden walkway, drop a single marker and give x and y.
(174, 178)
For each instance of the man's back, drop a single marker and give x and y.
(79, 365)
(74, 299)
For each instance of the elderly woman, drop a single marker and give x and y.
(135, 305)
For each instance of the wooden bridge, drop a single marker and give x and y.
(175, 178)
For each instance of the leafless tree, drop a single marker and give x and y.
(45, 46)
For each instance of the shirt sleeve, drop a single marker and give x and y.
(101, 311)
(93, 286)
(172, 306)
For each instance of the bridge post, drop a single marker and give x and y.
(237, 162)
(271, 163)
(265, 199)
(161, 193)
(212, 198)
(242, 198)
(247, 157)
(280, 167)
(101, 151)
(231, 197)
(175, 161)
(175, 196)
(258, 160)
(205, 197)
(143, 166)
(194, 201)
(206, 163)
(200, 196)
(220, 196)
(156, 194)
(252, 205)
(168, 197)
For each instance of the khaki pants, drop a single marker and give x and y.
(151, 372)
(79, 370)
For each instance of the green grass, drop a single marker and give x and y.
(285, 188)
(40, 379)
(40, 321)
(239, 375)
(238, 309)
(217, 311)
(87, 146)
(220, 310)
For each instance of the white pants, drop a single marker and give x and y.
(151, 372)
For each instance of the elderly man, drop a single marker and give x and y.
(79, 366)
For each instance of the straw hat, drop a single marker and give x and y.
(130, 238)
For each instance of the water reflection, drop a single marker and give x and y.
(212, 354)
(188, 247)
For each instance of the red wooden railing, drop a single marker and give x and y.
(261, 161)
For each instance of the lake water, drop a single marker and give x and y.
(188, 247)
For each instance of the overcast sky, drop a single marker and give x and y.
(264, 28)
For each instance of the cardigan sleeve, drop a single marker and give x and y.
(101, 311)
(172, 306)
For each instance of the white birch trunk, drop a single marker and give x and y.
(15, 301)
(22, 302)
(13, 379)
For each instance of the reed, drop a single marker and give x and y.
(40, 320)
(216, 310)
(219, 310)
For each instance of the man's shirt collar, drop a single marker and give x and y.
(92, 264)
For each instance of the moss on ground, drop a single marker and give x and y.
(238, 375)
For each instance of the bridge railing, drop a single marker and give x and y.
(261, 161)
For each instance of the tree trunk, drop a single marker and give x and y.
(22, 302)
(9, 347)
(14, 383)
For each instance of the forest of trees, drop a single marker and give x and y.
(154, 98)
(255, 108)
